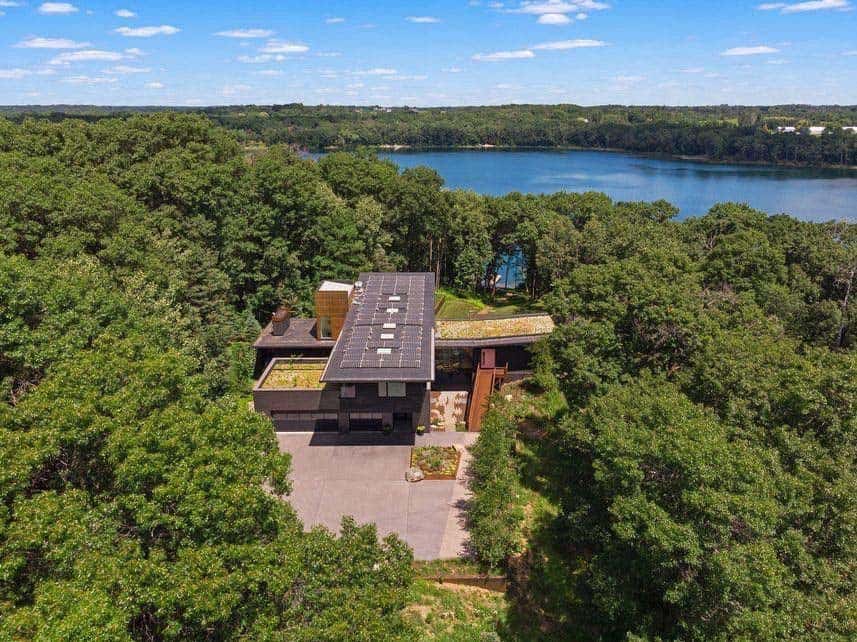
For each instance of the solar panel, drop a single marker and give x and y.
(391, 314)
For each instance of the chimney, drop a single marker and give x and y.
(280, 320)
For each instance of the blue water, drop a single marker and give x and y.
(809, 194)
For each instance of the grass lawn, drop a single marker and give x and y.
(449, 305)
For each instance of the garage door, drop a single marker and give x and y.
(305, 421)
(365, 421)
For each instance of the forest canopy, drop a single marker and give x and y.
(708, 435)
(746, 134)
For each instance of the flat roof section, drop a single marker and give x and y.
(400, 304)
(519, 329)
(299, 334)
(292, 374)
(335, 286)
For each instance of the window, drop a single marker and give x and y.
(386, 336)
(384, 351)
(389, 326)
(347, 391)
(324, 330)
(391, 389)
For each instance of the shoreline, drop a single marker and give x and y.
(701, 159)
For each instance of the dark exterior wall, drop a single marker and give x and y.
(324, 400)
(417, 401)
(517, 357)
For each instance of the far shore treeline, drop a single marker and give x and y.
(721, 133)
(697, 471)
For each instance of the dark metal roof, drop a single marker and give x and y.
(299, 334)
(388, 332)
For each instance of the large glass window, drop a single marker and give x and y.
(391, 388)
(324, 330)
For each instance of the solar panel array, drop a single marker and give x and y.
(375, 312)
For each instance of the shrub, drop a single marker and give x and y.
(494, 515)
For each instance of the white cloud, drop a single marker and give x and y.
(88, 80)
(453, 70)
(261, 59)
(749, 51)
(35, 42)
(127, 69)
(692, 70)
(9, 3)
(57, 8)
(629, 79)
(853, 52)
(334, 21)
(423, 19)
(499, 56)
(553, 19)
(801, 7)
(329, 54)
(560, 45)
(125, 13)
(268, 72)
(582, 16)
(147, 32)
(134, 52)
(46, 71)
(87, 55)
(559, 6)
(377, 71)
(154, 85)
(279, 47)
(246, 33)
(234, 90)
(13, 74)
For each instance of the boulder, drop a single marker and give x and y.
(414, 474)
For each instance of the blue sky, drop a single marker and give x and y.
(450, 52)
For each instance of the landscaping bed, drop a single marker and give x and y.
(436, 462)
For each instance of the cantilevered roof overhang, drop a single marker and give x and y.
(387, 334)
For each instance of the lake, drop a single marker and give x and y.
(809, 194)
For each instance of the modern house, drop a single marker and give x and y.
(374, 356)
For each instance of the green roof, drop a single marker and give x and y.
(294, 373)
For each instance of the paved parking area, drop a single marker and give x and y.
(363, 475)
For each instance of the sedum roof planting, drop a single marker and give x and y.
(516, 326)
(293, 373)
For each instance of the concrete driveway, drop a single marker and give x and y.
(363, 475)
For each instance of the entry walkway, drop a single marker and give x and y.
(363, 475)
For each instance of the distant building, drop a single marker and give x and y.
(374, 356)
(786, 130)
(816, 130)
(851, 128)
